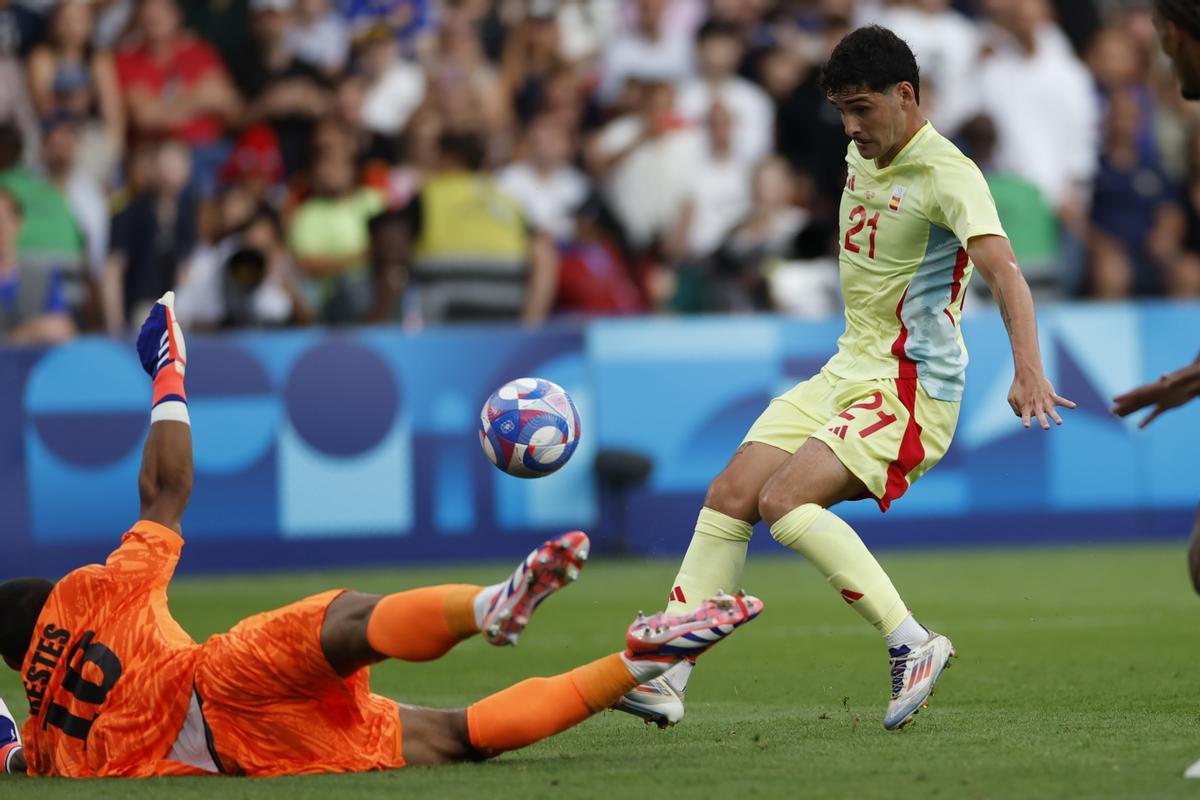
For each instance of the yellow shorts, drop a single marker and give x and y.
(888, 432)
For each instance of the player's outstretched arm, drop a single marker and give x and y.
(1031, 396)
(165, 480)
(1170, 391)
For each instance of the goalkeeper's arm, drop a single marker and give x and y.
(12, 755)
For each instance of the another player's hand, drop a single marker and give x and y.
(1032, 397)
(1169, 391)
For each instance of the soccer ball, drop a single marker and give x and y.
(529, 427)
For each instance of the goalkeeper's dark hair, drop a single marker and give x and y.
(1184, 13)
(873, 58)
(21, 601)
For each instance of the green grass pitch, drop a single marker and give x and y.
(1079, 676)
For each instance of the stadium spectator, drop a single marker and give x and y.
(771, 232)
(594, 277)
(1137, 223)
(1042, 99)
(393, 86)
(414, 23)
(464, 89)
(20, 29)
(720, 50)
(49, 232)
(152, 238)
(83, 193)
(532, 57)
(584, 26)
(946, 45)
(67, 74)
(808, 130)
(279, 88)
(247, 280)
(1029, 221)
(319, 37)
(176, 85)
(647, 51)
(256, 164)
(111, 23)
(224, 24)
(33, 308)
(328, 233)
(722, 194)
(548, 188)
(646, 162)
(391, 252)
(474, 258)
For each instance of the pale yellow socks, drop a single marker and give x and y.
(834, 548)
(714, 560)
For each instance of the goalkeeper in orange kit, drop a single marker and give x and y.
(117, 688)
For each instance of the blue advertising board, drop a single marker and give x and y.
(321, 447)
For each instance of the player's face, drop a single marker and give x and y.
(1184, 52)
(874, 120)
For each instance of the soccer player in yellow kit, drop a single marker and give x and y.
(917, 219)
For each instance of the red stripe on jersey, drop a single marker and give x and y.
(960, 269)
(912, 452)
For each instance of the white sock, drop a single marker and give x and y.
(483, 601)
(644, 669)
(909, 632)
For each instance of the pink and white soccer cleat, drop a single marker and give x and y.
(671, 637)
(546, 570)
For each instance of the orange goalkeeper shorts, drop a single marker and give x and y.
(275, 706)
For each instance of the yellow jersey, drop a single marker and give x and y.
(904, 266)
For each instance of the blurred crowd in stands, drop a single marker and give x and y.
(423, 162)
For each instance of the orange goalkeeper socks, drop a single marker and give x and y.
(540, 707)
(423, 624)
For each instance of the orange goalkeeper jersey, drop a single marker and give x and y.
(109, 671)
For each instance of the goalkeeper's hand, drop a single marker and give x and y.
(12, 754)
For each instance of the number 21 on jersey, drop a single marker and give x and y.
(859, 217)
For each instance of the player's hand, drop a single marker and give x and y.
(1032, 397)
(1169, 391)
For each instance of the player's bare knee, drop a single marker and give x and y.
(732, 496)
(776, 500)
(344, 632)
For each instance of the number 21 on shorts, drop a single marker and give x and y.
(853, 414)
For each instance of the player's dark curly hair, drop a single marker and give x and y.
(873, 58)
(1184, 13)
(21, 601)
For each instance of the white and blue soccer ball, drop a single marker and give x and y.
(529, 427)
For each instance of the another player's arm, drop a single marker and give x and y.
(1031, 395)
(1170, 391)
